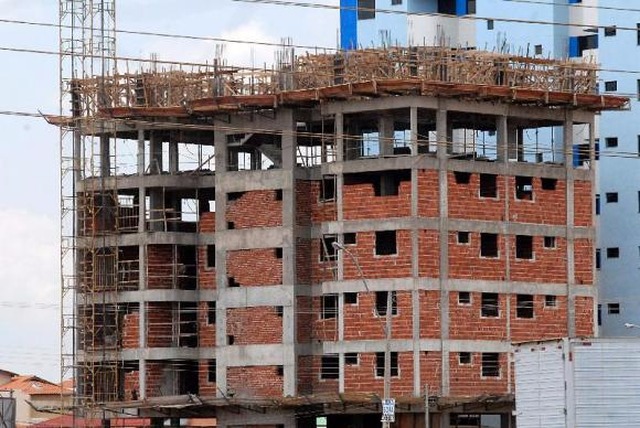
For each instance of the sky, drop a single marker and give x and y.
(29, 147)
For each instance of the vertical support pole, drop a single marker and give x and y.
(502, 136)
(142, 269)
(427, 422)
(415, 252)
(289, 164)
(442, 155)
(567, 139)
(105, 155)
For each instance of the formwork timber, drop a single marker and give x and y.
(206, 280)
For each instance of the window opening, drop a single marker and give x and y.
(464, 358)
(548, 183)
(611, 142)
(464, 298)
(211, 313)
(549, 242)
(613, 252)
(524, 188)
(611, 197)
(488, 245)
(550, 301)
(351, 358)
(489, 305)
(613, 308)
(330, 367)
(211, 256)
(524, 306)
(488, 186)
(380, 364)
(351, 298)
(524, 247)
(381, 303)
(349, 239)
(463, 237)
(386, 243)
(490, 364)
(462, 177)
(329, 306)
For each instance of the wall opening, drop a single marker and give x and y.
(489, 305)
(488, 245)
(524, 306)
(381, 303)
(386, 243)
(524, 247)
(380, 364)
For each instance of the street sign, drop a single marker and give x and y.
(388, 410)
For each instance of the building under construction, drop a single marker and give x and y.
(206, 204)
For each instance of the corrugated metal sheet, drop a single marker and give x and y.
(7, 412)
(607, 382)
(540, 391)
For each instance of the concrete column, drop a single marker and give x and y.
(502, 138)
(105, 156)
(441, 133)
(221, 164)
(174, 157)
(413, 124)
(289, 251)
(385, 135)
(339, 136)
(512, 141)
(156, 195)
(567, 137)
(155, 144)
(142, 269)
(415, 255)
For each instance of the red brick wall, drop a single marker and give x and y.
(466, 322)
(547, 206)
(205, 387)
(465, 261)
(154, 378)
(322, 329)
(431, 371)
(255, 381)
(254, 326)
(131, 383)
(360, 202)
(304, 319)
(206, 331)
(547, 323)
(362, 377)
(547, 265)
(159, 324)
(314, 266)
(584, 261)
(584, 316)
(361, 323)
(257, 208)
(207, 222)
(131, 330)
(309, 208)
(160, 267)
(373, 266)
(429, 314)
(428, 193)
(206, 275)
(429, 253)
(466, 379)
(465, 201)
(309, 381)
(583, 204)
(255, 267)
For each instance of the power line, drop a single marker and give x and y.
(576, 5)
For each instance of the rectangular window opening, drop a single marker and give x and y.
(463, 237)
(550, 301)
(490, 364)
(610, 31)
(381, 303)
(611, 86)
(464, 298)
(524, 306)
(351, 298)
(366, 9)
(211, 256)
(549, 242)
(524, 188)
(280, 371)
(599, 314)
(211, 375)
(611, 197)
(327, 250)
(329, 306)
(598, 204)
(548, 183)
(351, 358)
(598, 258)
(330, 367)
(279, 311)
(524, 247)
(489, 306)
(613, 308)
(613, 253)
(278, 253)
(349, 239)
(488, 245)
(380, 364)
(386, 243)
(211, 313)
(231, 282)
(488, 186)
(462, 177)
(328, 190)
(490, 24)
(464, 358)
(278, 195)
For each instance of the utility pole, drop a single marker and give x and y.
(387, 332)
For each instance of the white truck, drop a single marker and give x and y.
(578, 383)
